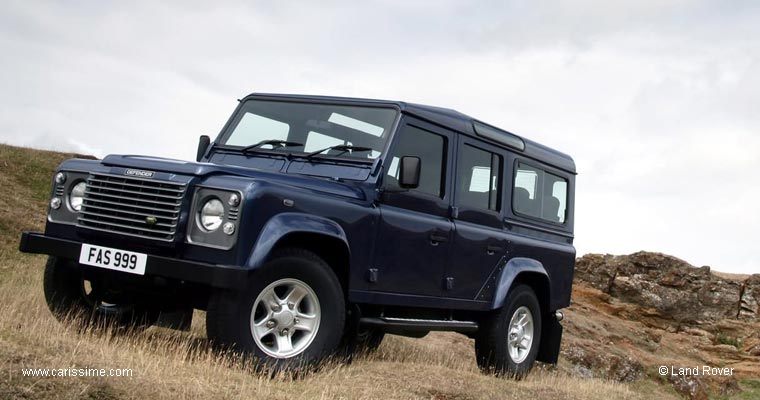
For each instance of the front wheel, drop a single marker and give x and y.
(508, 340)
(70, 296)
(290, 315)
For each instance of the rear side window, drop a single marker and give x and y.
(430, 148)
(539, 194)
(478, 183)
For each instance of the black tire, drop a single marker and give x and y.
(68, 298)
(228, 319)
(491, 343)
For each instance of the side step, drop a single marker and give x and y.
(409, 324)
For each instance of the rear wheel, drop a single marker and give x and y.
(69, 295)
(290, 315)
(507, 342)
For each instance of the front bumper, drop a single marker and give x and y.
(218, 276)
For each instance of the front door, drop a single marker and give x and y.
(415, 233)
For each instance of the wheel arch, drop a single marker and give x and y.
(319, 235)
(527, 271)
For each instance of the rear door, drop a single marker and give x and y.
(480, 243)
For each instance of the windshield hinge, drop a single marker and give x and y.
(454, 212)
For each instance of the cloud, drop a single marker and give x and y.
(655, 100)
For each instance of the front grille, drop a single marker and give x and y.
(126, 206)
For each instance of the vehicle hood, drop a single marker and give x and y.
(165, 165)
(203, 170)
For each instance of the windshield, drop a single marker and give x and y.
(312, 127)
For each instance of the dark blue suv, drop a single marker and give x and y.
(313, 226)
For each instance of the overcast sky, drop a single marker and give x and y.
(657, 101)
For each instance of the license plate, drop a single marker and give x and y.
(115, 259)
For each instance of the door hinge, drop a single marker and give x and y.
(372, 275)
(449, 283)
(454, 212)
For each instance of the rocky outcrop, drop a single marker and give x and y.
(749, 305)
(589, 362)
(689, 386)
(632, 314)
(672, 287)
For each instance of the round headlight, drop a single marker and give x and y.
(211, 215)
(76, 196)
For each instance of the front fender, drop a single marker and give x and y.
(284, 224)
(513, 268)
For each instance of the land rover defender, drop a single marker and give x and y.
(312, 226)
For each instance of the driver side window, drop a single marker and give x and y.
(430, 148)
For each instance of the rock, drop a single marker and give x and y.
(672, 287)
(689, 386)
(624, 369)
(697, 332)
(697, 387)
(727, 386)
(724, 348)
(718, 298)
(749, 306)
(722, 352)
(655, 336)
(597, 361)
(581, 371)
(597, 270)
(752, 347)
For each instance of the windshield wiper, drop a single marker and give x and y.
(276, 144)
(343, 148)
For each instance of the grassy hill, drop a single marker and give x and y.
(169, 364)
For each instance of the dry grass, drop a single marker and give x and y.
(728, 275)
(25, 179)
(168, 364)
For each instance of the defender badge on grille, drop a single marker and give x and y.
(139, 173)
(151, 220)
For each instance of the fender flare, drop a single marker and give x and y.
(515, 267)
(285, 224)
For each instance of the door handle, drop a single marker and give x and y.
(492, 249)
(436, 238)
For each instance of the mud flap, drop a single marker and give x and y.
(551, 337)
(179, 319)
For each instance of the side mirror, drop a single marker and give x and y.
(202, 147)
(409, 175)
